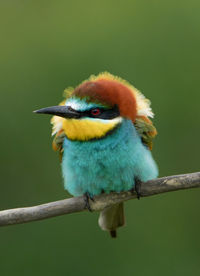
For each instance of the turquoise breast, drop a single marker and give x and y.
(108, 164)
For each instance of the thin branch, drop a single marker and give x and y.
(77, 204)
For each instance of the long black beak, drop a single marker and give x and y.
(59, 110)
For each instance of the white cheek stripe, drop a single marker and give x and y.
(116, 120)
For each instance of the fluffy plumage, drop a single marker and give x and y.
(108, 164)
(104, 155)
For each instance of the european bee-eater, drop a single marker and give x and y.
(104, 136)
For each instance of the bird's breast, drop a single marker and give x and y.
(101, 165)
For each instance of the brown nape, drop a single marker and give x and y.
(110, 92)
(113, 233)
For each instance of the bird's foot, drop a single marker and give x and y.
(87, 198)
(137, 188)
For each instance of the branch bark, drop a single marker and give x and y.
(77, 204)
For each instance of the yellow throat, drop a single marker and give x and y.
(87, 129)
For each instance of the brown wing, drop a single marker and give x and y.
(146, 130)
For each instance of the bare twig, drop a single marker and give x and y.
(77, 204)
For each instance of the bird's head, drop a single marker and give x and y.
(96, 107)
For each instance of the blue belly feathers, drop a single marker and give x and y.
(108, 164)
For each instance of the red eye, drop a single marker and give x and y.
(95, 111)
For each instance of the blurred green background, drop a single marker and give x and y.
(49, 45)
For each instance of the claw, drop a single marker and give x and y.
(87, 198)
(138, 187)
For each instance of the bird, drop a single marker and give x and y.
(103, 133)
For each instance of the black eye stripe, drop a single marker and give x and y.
(106, 114)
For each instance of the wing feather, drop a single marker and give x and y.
(58, 143)
(146, 130)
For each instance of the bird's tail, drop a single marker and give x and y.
(111, 218)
